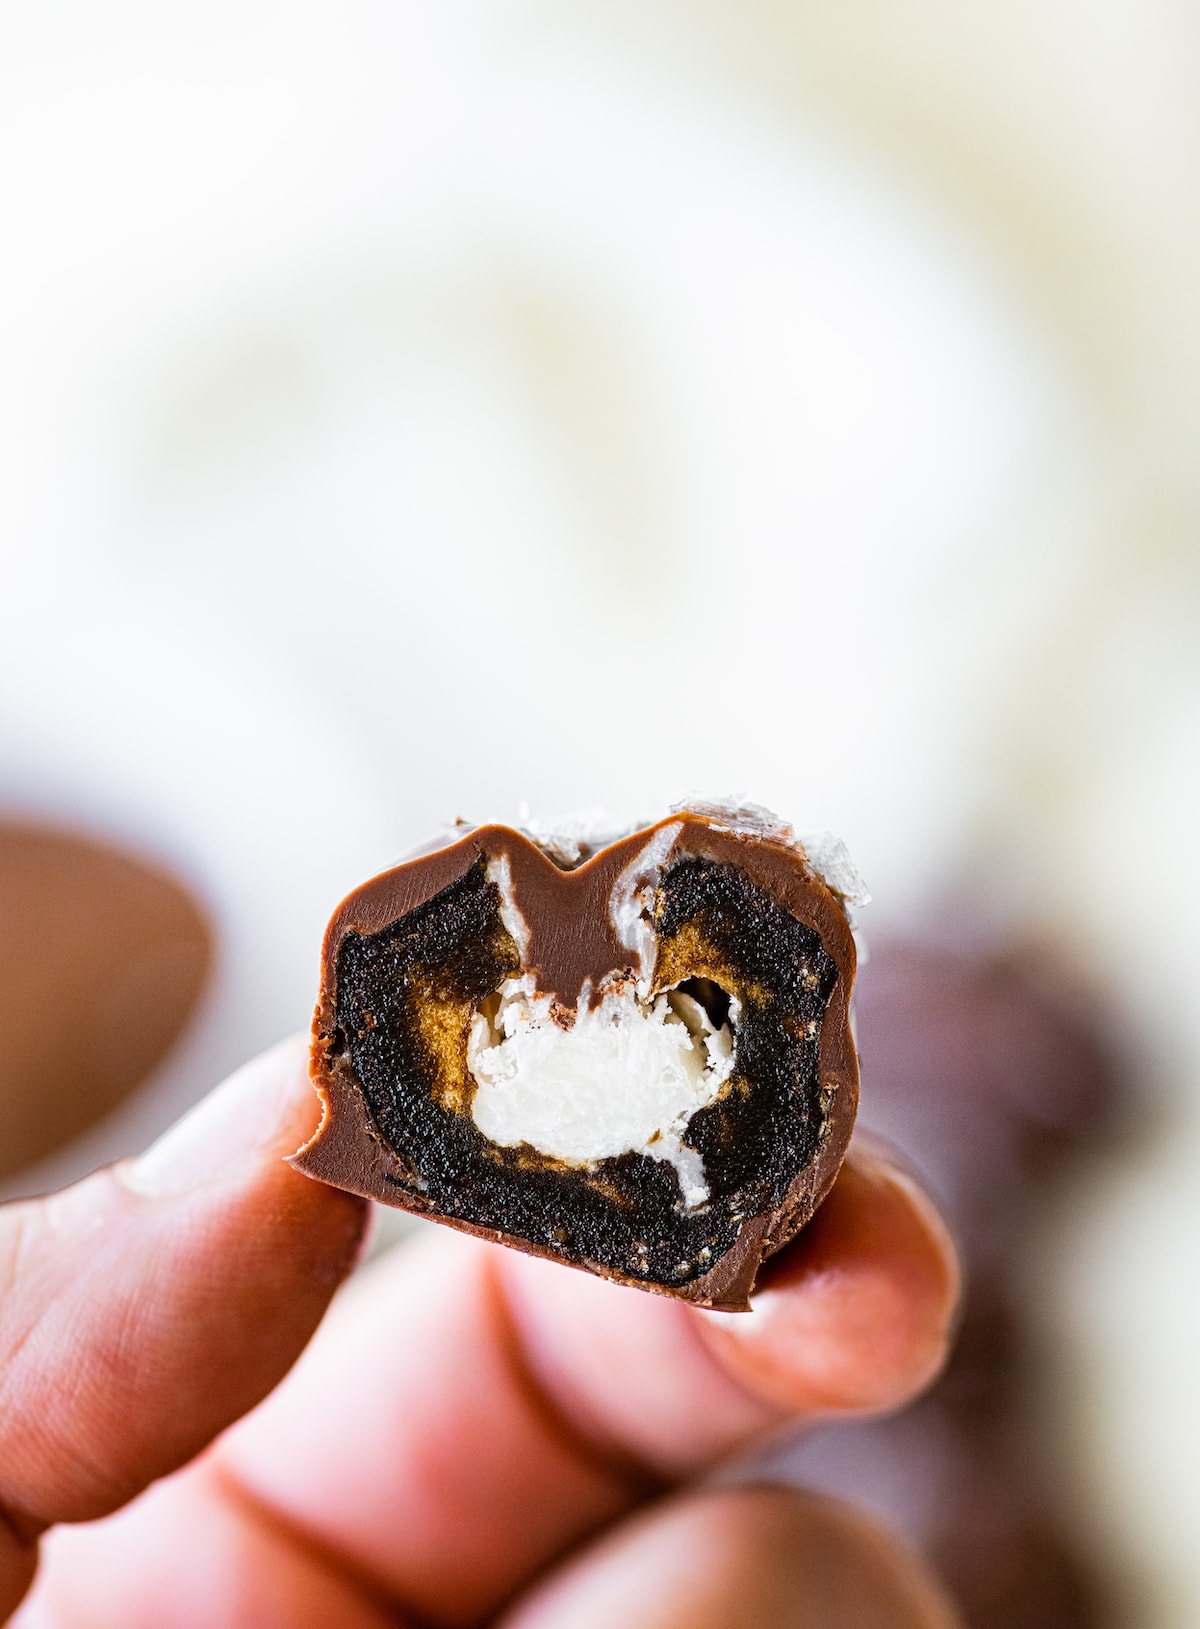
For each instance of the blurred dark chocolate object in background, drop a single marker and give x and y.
(102, 959)
(988, 1071)
(993, 1077)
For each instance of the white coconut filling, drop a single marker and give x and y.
(626, 1078)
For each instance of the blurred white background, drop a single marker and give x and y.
(408, 410)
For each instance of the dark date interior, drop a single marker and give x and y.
(405, 997)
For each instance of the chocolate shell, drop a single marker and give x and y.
(635, 1059)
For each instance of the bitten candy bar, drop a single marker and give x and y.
(633, 1058)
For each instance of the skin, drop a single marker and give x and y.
(470, 1436)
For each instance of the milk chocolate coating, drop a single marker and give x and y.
(103, 958)
(409, 957)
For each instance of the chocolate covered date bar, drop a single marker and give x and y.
(633, 1057)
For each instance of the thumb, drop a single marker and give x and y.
(144, 1309)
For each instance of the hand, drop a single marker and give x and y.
(471, 1436)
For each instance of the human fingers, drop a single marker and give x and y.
(145, 1308)
(466, 1413)
(776, 1558)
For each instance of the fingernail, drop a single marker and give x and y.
(877, 1160)
(870, 1150)
(252, 1111)
(881, 1161)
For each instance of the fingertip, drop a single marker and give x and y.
(857, 1314)
(774, 1557)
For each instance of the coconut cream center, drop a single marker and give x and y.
(624, 1079)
